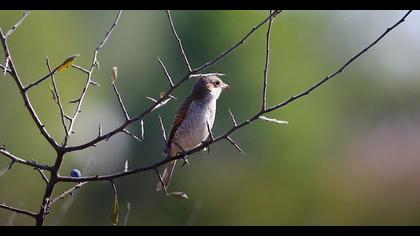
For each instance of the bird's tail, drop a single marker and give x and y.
(167, 175)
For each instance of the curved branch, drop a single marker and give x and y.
(167, 94)
(15, 159)
(24, 94)
(233, 129)
(17, 210)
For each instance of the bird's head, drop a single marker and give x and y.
(208, 86)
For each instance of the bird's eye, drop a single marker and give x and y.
(217, 83)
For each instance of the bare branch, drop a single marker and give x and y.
(25, 97)
(142, 129)
(100, 129)
(273, 120)
(223, 54)
(31, 85)
(44, 177)
(163, 130)
(57, 96)
(81, 69)
(25, 14)
(120, 101)
(179, 41)
(226, 135)
(267, 61)
(235, 145)
(14, 159)
(89, 75)
(166, 72)
(17, 210)
(164, 99)
(131, 134)
(5, 68)
(65, 193)
(340, 70)
(232, 117)
(127, 213)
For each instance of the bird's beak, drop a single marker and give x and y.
(225, 86)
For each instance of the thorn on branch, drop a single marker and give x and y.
(235, 145)
(114, 78)
(6, 66)
(75, 101)
(142, 129)
(100, 129)
(273, 120)
(179, 41)
(94, 83)
(11, 164)
(132, 135)
(163, 130)
(166, 73)
(81, 69)
(232, 117)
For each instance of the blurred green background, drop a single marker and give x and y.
(349, 156)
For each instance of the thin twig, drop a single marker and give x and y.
(14, 159)
(25, 14)
(25, 97)
(89, 74)
(232, 117)
(267, 62)
(161, 181)
(223, 54)
(142, 129)
(132, 135)
(127, 213)
(81, 69)
(179, 41)
(57, 96)
(340, 70)
(44, 177)
(127, 117)
(163, 130)
(17, 210)
(235, 145)
(65, 193)
(166, 72)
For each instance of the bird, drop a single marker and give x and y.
(192, 122)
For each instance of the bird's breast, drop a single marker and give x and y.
(193, 129)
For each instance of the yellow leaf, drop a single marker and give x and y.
(115, 211)
(67, 63)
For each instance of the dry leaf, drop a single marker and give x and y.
(67, 63)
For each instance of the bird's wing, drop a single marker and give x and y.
(180, 116)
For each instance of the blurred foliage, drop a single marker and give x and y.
(349, 155)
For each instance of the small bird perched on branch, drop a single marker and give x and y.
(190, 128)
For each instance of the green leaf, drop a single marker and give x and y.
(115, 211)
